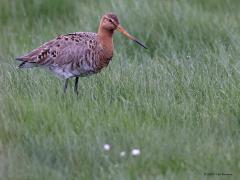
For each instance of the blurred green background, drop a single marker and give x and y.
(178, 101)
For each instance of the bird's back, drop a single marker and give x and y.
(74, 54)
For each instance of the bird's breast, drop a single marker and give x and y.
(104, 61)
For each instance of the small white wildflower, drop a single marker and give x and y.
(106, 147)
(136, 152)
(188, 57)
(122, 154)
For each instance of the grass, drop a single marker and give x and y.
(179, 101)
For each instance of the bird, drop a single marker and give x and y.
(77, 54)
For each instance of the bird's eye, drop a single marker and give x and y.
(109, 20)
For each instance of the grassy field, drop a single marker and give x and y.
(178, 101)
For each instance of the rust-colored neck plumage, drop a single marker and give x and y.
(106, 41)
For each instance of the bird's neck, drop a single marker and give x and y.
(106, 41)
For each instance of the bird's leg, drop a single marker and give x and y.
(65, 86)
(76, 85)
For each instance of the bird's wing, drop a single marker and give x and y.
(61, 50)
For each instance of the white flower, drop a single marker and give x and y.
(106, 147)
(136, 152)
(122, 154)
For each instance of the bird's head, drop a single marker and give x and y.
(110, 22)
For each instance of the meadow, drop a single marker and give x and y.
(178, 101)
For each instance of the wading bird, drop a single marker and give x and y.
(77, 54)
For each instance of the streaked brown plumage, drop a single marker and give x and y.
(77, 54)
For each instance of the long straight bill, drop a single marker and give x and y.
(123, 31)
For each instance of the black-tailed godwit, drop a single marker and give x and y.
(77, 54)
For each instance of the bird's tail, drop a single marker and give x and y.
(25, 64)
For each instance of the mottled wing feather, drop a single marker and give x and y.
(71, 49)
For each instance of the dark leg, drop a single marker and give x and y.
(76, 85)
(65, 86)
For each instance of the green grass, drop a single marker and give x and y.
(179, 101)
